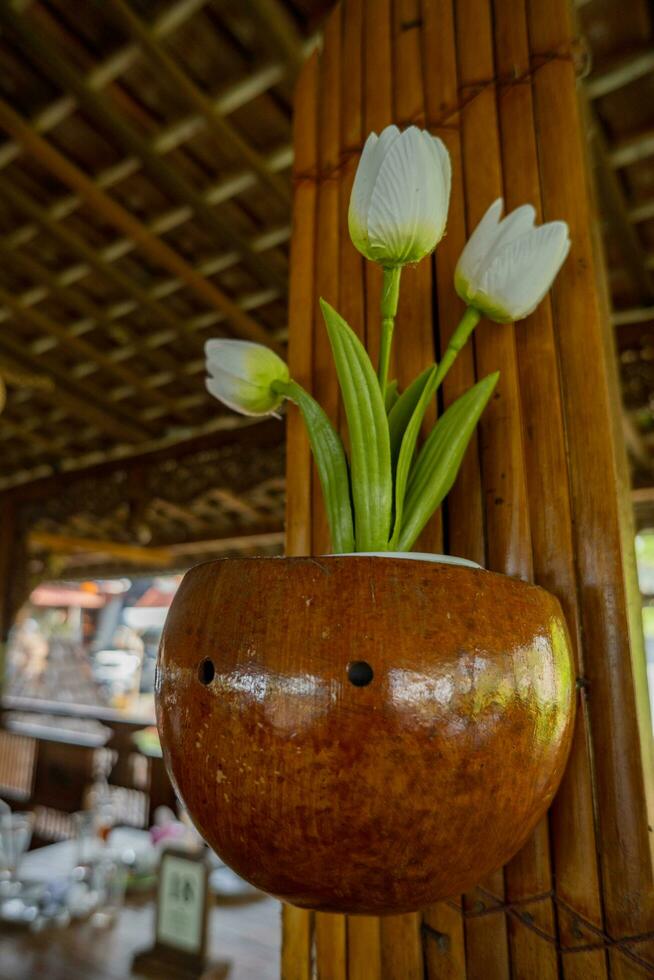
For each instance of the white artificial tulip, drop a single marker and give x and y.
(241, 374)
(508, 265)
(400, 197)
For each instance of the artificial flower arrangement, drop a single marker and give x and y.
(372, 733)
(383, 495)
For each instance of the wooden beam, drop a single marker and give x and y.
(115, 214)
(632, 149)
(640, 314)
(103, 73)
(240, 542)
(613, 200)
(135, 554)
(229, 430)
(100, 361)
(636, 445)
(278, 25)
(181, 82)
(73, 242)
(619, 72)
(642, 212)
(47, 56)
(81, 402)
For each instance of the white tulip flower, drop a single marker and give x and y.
(241, 374)
(400, 197)
(508, 265)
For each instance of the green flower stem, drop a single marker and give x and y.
(389, 300)
(328, 452)
(467, 324)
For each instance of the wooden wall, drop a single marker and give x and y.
(542, 491)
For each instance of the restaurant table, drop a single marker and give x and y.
(243, 934)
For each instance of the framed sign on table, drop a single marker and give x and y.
(181, 916)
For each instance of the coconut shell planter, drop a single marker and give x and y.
(373, 731)
(353, 763)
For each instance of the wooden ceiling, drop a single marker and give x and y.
(145, 166)
(144, 207)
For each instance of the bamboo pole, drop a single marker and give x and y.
(575, 852)
(619, 715)
(297, 924)
(363, 932)
(508, 538)
(331, 930)
(446, 931)
(325, 384)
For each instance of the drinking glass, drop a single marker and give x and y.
(15, 837)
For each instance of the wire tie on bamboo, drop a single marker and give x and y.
(577, 52)
(517, 911)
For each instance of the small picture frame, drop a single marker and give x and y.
(182, 904)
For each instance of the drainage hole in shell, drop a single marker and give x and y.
(359, 673)
(206, 671)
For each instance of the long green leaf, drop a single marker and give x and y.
(370, 455)
(440, 458)
(331, 463)
(407, 450)
(402, 410)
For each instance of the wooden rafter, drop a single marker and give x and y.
(170, 179)
(279, 26)
(616, 209)
(619, 72)
(135, 554)
(197, 100)
(113, 212)
(79, 399)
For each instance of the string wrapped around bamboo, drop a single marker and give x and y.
(297, 924)
(613, 661)
(575, 855)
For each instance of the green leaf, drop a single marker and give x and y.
(370, 456)
(402, 411)
(391, 396)
(407, 450)
(331, 462)
(440, 458)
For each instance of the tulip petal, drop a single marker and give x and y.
(476, 249)
(516, 224)
(372, 158)
(405, 215)
(438, 153)
(241, 373)
(523, 271)
(241, 396)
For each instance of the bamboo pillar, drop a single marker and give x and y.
(538, 495)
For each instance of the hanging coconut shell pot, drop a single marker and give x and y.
(364, 734)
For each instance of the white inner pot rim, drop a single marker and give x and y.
(410, 556)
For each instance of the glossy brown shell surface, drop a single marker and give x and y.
(379, 798)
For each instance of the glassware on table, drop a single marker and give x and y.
(108, 881)
(15, 837)
(88, 840)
